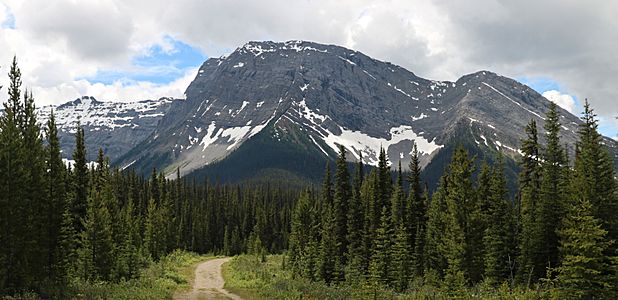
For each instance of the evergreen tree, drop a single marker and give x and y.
(153, 240)
(299, 239)
(416, 212)
(384, 183)
(400, 259)
(328, 261)
(499, 238)
(435, 244)
(356, 261)
(418, 255)
(479, 220)
(39, 258)
(549, 209)
(96, 251)
(66, 249)
(398, 205)
(594, 175)
(13, 179)
(530, 241)
(585, 270)
(81, 180)
(55, 197)
(380, 264)
(460, 204)
(340, 205)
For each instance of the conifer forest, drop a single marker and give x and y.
(372, 226)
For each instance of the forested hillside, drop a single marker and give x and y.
(61, 225)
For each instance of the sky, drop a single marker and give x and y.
(126, 50)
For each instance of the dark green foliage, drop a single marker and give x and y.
(380, 267)
(435, 245)
(341, 204)
(594, 177)
(530, 242)
(585, 272)
(397, 201)
(299, 239)
(328, 261)
(499, 236)
(549, 208)
(15, 210)
(460, 205)
(81, 179)
(416, 212)
(356, 259)
(401, 259)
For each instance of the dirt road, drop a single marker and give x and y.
(208, 282)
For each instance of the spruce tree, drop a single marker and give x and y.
(356, 262)
(39, 257)
(341, 204)
(479, 221)
(96, 251)
(328, 261)
(549, 209)
(81, 179)
(55, 197)
(384, 182)
(418, 254)
(499, 237)
(397, 201)
(66, 251)
(594, 174)
(460, 204)
(380, 264)
(299, 239)
(435, 244)
(530, 242)
(13, 179)
(400, 259)
(585, 272)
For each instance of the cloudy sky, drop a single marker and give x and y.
(122, 50)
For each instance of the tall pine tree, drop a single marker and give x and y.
(549, 209)
(530, 266)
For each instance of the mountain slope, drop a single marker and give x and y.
(116, 127)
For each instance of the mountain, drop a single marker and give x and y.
(282, 108)
(116, 127)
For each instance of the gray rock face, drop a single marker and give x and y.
(116, 127)
(335, 96)
(328, 94)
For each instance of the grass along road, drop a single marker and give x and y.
(208, 282)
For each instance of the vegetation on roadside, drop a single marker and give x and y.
(158, 280)
(249, 277)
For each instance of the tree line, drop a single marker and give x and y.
(60, 224)
(559, 231)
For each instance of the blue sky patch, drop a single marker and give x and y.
(540, 84)
(9, 21)
(543, 84)
(157, 65)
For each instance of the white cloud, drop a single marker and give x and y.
(563, 100)
(117, 91)
(64, 40)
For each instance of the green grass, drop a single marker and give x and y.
(173, 273)
(251, 279)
